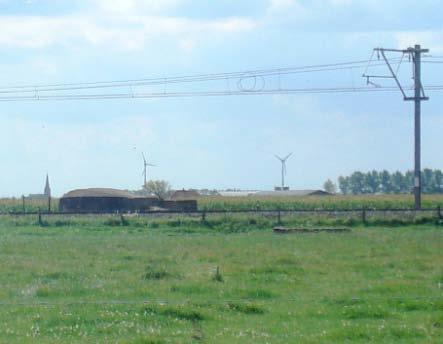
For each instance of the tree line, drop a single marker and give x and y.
(385, 182)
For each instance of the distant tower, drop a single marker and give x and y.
(47, 192)
(145, 170)
(283, 172)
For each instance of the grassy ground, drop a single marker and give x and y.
(99, 282)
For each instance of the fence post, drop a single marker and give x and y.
(40, 222)
(204, 216)
(439, 212)
(123, 221)
(23, 204)
(279, 216)
(49, 203)
(363, 215)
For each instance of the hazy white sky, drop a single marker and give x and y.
(208, 142)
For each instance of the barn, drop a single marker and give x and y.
(292, 193)
(184, 195)
(102, 200)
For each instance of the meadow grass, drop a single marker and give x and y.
(100, 280)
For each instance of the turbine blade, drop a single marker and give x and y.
(144, 158)
(287, 157)
(278, 157)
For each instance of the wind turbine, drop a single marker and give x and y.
(283, 168)
(145, 169)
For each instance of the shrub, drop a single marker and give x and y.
(217, 275)
(155, 274)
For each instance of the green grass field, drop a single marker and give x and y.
(98, 281)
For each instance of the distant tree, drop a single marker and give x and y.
(356, 183)
(330, 187)
(438, 181)
(398, 183)
(160, 188)
(343, 185)
(428, 181)
(385, 182)
(372, 182)
(409, 180)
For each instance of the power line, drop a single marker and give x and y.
(184, 79)
(104, 96)
(249, 82)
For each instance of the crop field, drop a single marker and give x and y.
(138, 280)
(317, 202)
(31, 205)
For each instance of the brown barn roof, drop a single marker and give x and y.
(293, 193)
(98, 192)
(183, 195)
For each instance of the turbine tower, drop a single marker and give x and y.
(283, 169)
(145, 169)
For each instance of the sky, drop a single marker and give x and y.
(210, 142)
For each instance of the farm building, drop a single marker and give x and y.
(237, 193)
(102, 200)
(292, 193)
(276, 193)
(184, 195)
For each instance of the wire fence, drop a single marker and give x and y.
(344, 217)
(437, 211)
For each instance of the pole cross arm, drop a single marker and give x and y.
(393, 73)
(413, 98)
(405, 51)
(417, 50)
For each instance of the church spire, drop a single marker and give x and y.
(47, 187)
